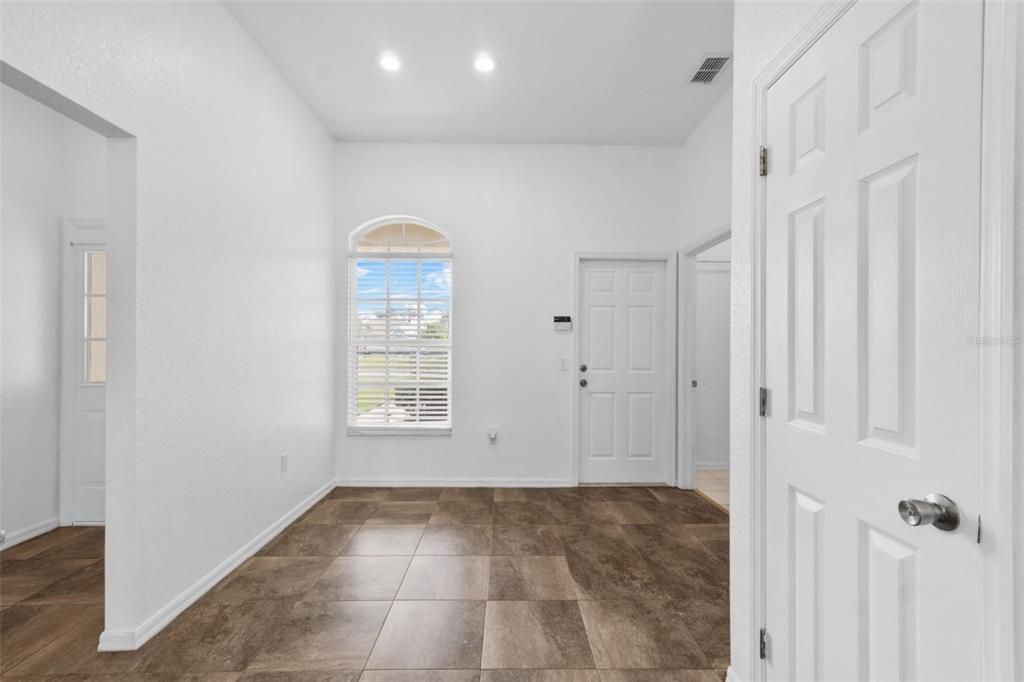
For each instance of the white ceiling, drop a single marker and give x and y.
(568, 72)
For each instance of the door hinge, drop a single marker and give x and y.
(762, 402)
(763, 161)
(764, 643)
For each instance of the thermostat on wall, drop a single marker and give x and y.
(563, 323)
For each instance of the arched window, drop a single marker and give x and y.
(400, 313)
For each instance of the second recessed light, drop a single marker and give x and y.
(484, 62)
(389, 61)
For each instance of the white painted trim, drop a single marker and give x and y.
(35, 530)
(731, 675)
(1003, 67)
(687, 465)
(671, 261)
(77, 233)
(455, 482)
(397, 218)
(1002, 596)
(130, 640)
(801, 42)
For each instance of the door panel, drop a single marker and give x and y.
(626, 419)
(871, 258)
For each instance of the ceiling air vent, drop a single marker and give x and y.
(710, 68)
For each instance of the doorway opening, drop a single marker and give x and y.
(706, 269)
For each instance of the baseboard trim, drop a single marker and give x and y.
(456, 482)
(730, 675)
(130, 640)
(19, 536)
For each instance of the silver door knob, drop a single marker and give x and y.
(935, 510)
(583, 383)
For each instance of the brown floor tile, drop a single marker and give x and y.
(510, 494)
(529, 540)
(535, 634)
(641, 634)
(519, 578)
(364, 494)
(85, 545)
(384, 540)
(683, 567)
(469, 512)
(689, 506)
(456, 540)
(301, 676)
(708, 622)
(714, 537)
(270, 577)
(31, 548)
(310, 540)
(483, 495)
(414, 494)
(420, 676)
(430, 634)
(323, 636)
(630, 512)
(402, 514)
(360, 578)
(85, 586)
(522, 513)
(212, 637)
(540, 676)
(26, 629)
(74, 652)
(445, 577)
(616, 493)
(606, 566)
(344, 512)
(580, 512)
(660, 676)
(22, 579)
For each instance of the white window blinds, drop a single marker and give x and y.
(400, 339)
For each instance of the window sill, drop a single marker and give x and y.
(429, 431)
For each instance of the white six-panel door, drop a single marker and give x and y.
(871, 258)
(626, 419)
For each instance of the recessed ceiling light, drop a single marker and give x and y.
(389, 61)
(484, 63)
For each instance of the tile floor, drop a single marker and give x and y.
(412, 585)
(715, 484)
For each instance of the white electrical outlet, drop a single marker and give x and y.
(284, 463)
(492, 435)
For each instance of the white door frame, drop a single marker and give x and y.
(671, 347)
(76, 233)
(1003, 617)
(687, 466)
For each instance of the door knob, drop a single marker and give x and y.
(936, 510)
(583, 383)
(583, 368)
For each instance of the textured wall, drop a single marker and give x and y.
(233, 278)
(517, 214)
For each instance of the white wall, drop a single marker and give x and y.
(233, 289)
(711, 359)
(705, 174)
(760, 31)
(517, 214)
(52, 168)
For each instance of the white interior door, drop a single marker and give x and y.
(84, 375)
(871, 303)
(626, 407)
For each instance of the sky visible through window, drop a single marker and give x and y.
(414, 288)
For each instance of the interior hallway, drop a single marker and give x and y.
(474, 584)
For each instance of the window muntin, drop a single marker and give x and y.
(400, 305)
(94, 346)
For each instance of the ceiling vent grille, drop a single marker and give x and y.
(710, 68)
